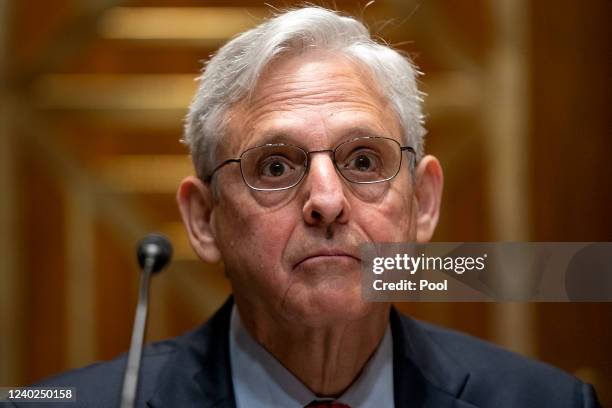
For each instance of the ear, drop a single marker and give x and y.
(428, 189)
(196, 203)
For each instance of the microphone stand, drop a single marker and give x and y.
(154, 252)
(130, 381)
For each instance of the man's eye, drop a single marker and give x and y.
(362, 162)
(274, 168)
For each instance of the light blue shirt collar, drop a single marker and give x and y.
(261, 381)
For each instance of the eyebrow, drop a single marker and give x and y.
(280, 136)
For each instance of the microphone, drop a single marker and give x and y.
(157, 247)
(153, 253)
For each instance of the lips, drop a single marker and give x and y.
(328, 254)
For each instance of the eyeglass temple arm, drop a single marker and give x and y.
(412, 162)
(208, 178)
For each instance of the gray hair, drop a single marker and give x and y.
(232, 74)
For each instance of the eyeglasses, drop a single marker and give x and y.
(274, 167)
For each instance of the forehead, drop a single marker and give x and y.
(314, 99)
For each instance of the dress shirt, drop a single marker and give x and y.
(261, 381)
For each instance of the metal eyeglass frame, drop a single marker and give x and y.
(307, 164)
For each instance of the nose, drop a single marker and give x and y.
(326, 202)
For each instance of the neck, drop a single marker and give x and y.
(325, 359)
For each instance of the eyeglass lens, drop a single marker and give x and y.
(279, 166)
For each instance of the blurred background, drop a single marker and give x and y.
(92, 98)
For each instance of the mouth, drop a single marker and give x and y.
(328, 256)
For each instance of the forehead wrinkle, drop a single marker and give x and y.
(326, 103)
(342, 87)
(332, 99)
(314, 78)
(256, 125)
(339, 87)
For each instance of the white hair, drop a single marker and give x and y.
(232, 73)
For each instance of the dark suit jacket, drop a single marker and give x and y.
(433, 367)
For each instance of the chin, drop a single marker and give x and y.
(326, 306)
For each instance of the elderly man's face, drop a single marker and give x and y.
(295, 253)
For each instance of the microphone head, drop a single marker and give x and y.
(156, 246)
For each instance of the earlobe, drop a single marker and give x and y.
(196, 204)
(428, 190)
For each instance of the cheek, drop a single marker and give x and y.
(253, 238)
(392, 219)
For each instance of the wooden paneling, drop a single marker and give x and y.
(571, 171)
(43, 262)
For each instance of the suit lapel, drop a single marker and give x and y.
(200, 374)
(424, 375)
